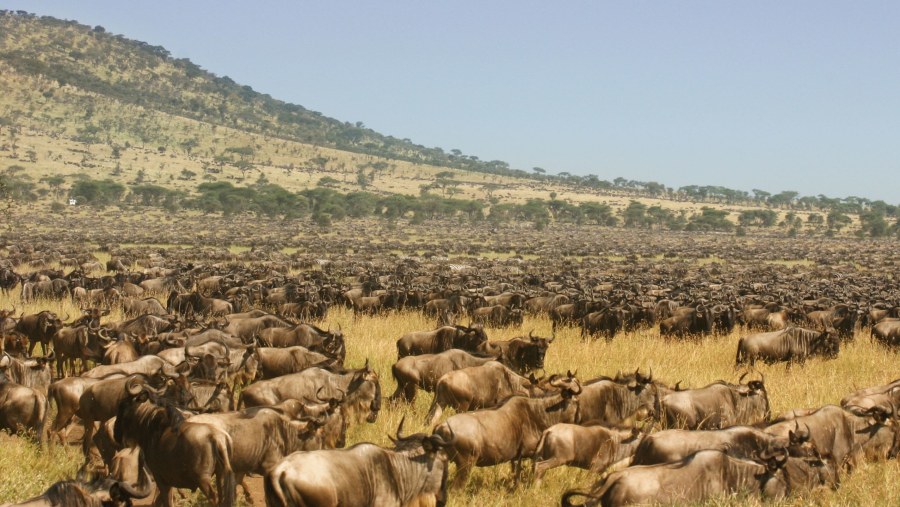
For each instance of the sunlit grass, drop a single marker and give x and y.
(694, 363)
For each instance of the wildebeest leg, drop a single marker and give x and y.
(434, 413)
(242, 480)
(163, 496)
(541, 467)
(464, 466)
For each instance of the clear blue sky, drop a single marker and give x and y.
(799, 95)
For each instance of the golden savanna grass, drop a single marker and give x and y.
(27, 470)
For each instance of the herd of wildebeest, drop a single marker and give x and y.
(222, 368)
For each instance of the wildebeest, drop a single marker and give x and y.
(497, 316)
(520, 354)
(103, 492)
(717, 405)
(475, 387)
(612, 401)
(887, 397)
(841, 318)
(771, 317)
(492, 436)
(701, 476)
(423, 371)
(22, 407)
(133, 307)
(591, 446)
(840, 433)
(39, 328)
(306, 335)
(31, 372)
(688, 321)
(413, 473)
(179, 453)
(261, 437)
(744, 442)
(196, 303)
(79, 342)
(789, 344)
(606, 322)
(275, 362)
(887, 332)
(441, 339)
(362, 388)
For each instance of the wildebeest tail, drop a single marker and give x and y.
(44, 414)
(222, 448)
(274, 489)
(740, 358)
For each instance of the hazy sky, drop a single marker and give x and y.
(799, 95)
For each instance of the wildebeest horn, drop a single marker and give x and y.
(134, 385)
(117, 489)
(531, 335)
(567, 502)
(102, 333)
(650, 377)
(576, 393)
(741, 379)
(400, 428)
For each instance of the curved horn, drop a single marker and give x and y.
(115, 492)
(134, 385)
(400, 428)
(567, 502)
(531, 334)
(741, 379)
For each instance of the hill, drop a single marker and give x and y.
(79, 105)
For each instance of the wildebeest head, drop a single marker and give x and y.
(470, 337)
(417, 442)
(529, 355)
(828, 344)
(364, 391)
(754, 394)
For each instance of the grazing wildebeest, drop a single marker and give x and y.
(413, 473)
(591, 446)
(103, 492)
(179, 453)
(885, 396)
(689, 321)
(508, 432)
(612, 401)
(423, 371)
(840, 433)
(520, 354)
(717, 405)
(475, 387)
(706, 475)
(362, 388)
(887, 332)
(275, 362)
(306, 335)
(744, 442)
(789, 344)
(22, 407)
(39, 328)
(261, 437)
(441, 339)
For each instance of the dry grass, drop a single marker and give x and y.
(27, 470)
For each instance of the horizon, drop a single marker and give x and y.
(786, 99)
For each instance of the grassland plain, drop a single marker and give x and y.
(27, 470)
